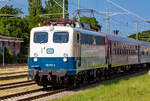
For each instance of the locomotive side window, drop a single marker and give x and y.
(100, 40)
(86, 39)
(40, 37)
(60, 37)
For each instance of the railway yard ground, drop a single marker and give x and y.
(13, 74)
(134, 87)
(9, 74)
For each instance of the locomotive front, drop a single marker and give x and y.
(51, 55)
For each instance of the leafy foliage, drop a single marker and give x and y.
(144, 36)
(91, 21)
(35, 7)
(51, 7)
(9, 57)
(14, 27)
(10, 10)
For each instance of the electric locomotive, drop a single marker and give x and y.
(65, 53)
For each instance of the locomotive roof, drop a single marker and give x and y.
(110, 36)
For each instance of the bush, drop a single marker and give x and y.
(12, 58)
(9, 57)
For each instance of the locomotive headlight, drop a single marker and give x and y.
(35, 59)
(65, 57)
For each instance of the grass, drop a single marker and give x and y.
(131, 89)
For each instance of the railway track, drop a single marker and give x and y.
(13, 73)
(44, 95)
(16, 84)
(13, 65)
(31, 95)
(19, 94)
(13, 77)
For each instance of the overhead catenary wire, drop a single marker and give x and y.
(5, 2)
(129, 12)
(120, 17)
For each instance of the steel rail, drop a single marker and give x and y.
(17, 85)
(43, 95)
(13, 73)
(13, 77)
(20, 94)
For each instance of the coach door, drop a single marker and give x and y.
(78, 48)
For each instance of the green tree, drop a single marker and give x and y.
(14, 27)
(90, 21)
(10, 10)
(143, 36)
(51, 7)
(31, 9)
(34, 21)
(39, 8)
(35, 7)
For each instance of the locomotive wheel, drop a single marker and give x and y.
(66, 81)
(75, 82)
(44, 81)
(37, 80)
(45, 86)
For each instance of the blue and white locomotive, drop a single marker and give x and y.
(66, 54)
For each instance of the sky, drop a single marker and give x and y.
(126, 23)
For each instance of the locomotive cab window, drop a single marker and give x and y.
(61, 37)
(40, 37)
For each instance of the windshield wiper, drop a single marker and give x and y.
(42, 41)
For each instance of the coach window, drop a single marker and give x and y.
(100, 40)
(94, 40)
(78, 37)
(90, 39)
(115, 51)
(118, 51)
(125, 51)
(60, 37)
(40, 37)
(131, 52)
